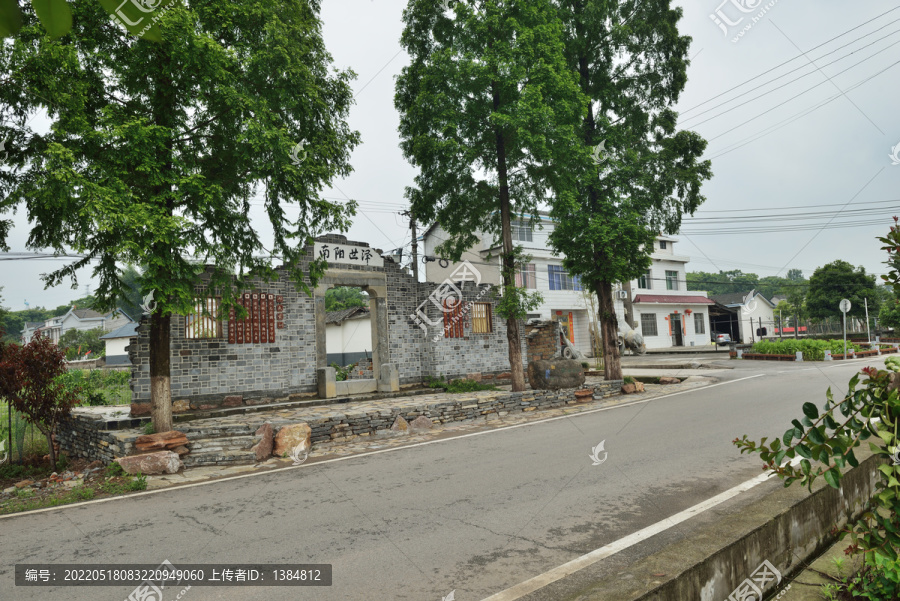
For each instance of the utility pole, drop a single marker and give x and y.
(415, 243)
(780, 326)
(868, 332)
(797, 326)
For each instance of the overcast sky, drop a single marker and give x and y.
(824, 136)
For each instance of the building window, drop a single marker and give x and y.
(648, 324)
(453, 318)
(481, 318)
(671, 280)
(560, 280)
(527, 277)
(521, 230)
(645, 281)
(699, 323)
(200, 323)
(662, 245)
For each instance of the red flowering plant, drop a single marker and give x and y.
(824, 442)
(30, 381)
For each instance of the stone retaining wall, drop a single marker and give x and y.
(96, 439)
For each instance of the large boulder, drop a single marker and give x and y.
(290, 437)
(263, 448)
(162, 441)
(420, 424)
(555, 374)
(162, 462)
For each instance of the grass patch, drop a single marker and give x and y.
(107, 482)
(457, 386)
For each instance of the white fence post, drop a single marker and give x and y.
(828, 355)
(800, 356)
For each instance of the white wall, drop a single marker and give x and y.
(116, 346)
(352, 336)
(664, 339)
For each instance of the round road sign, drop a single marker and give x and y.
(845, 306)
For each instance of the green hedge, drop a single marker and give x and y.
(813, 350)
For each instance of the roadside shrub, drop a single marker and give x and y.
(813, 350)
(341, 373)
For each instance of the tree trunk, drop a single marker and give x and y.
(609, 324)
(509, 266)
(160, 382)
(49, 435)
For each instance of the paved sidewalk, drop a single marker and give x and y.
(329, 450)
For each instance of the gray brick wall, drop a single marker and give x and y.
(214, 368)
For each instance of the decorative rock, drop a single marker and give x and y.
(23, 483)
(628, 389)
(180, 406)
(181, 450)
(291, 436)
(400, 424)
(475, 376)
(584, 396)
(669, 380)
(554, 374)
(420, 423)
(638, 386)
(162, 462)
(9, 491)
(233, 401)
(263, 448)
(161, 441)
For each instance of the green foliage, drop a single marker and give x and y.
(78, 343)
(838, 280)
(149, 428)
(628, 380)
(114, 469)
(55, 17)
(724, 282)
(98, 386)
(345, 297)
(813, 350)
(456, 386)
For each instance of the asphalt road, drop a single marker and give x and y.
(474, 514)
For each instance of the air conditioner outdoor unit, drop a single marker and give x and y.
(622, 294)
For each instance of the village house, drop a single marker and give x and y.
(662, 309)
(75, 319)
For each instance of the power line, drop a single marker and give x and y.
(754, 78)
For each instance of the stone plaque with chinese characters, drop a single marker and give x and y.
(345, 254)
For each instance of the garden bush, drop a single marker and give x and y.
(813, 350)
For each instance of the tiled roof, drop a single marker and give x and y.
(732, 298)
(337, 317)
(129, 330)
(86, 313)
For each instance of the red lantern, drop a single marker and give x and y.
(688, 311)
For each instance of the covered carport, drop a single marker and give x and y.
(723, 320)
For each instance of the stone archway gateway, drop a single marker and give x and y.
(345, 268)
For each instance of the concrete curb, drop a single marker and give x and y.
(788, 527)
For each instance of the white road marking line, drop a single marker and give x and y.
(368, 453)
(532, 584)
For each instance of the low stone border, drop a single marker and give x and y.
(84, 435)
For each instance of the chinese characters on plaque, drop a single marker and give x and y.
(260, 325)
(353, 255)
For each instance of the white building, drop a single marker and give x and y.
(75, 319)
(666, 313)
(117, 341)
(663, 307)
(564, 300)
(755, 314)
(348, 336)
